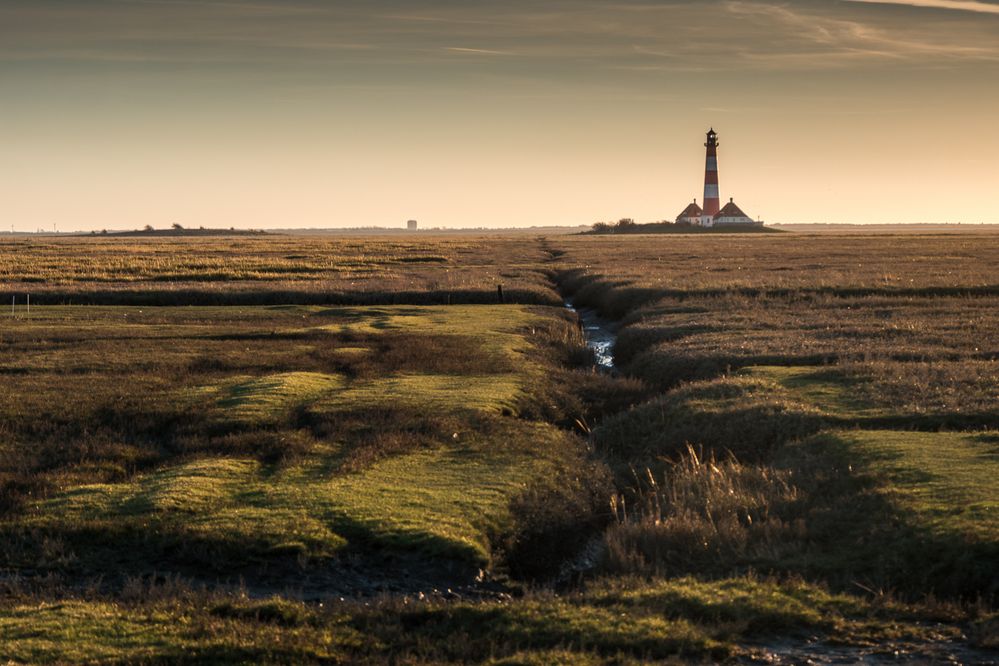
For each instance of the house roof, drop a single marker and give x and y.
(730, 210)
(692, 210)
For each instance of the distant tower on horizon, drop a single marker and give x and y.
(711, 200)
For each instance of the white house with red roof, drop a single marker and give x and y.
(732, 214)
(690, 215)
(729, 214)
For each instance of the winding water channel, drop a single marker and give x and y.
(599, 335)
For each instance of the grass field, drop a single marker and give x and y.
(626, 621)
(274, 270)
(312, 433)
(819, 420)
(315, 450)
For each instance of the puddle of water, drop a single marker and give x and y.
(598, 335)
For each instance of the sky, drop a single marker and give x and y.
(115, 114)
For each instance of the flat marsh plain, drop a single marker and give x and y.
(292, 449)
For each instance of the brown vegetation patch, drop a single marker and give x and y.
(275, 270)
(703, 515)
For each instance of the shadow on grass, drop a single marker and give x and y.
(735, 416)
(263, 296)
(616, 299)
(113, 553)
(491, 631)
(860, 535)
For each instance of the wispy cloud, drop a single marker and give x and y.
(811, 39)
(959, 5)
(574, 39)
(244, 7)
(462, 49)
(437, 19)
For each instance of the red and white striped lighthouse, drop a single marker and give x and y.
(711, 201)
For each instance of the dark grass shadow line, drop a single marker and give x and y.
(930, 422)
(618, 298)
(491, 631)
(745, 611)
(990, 443)
(273, 297)
(115, 553)
(856, 532)
(667, 371)
(210, 655)
(631, 341)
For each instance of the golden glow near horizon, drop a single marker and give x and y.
(118, 114)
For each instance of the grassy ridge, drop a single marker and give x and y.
(309, 434)
(442, 503)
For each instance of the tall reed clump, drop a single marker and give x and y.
(703, 515)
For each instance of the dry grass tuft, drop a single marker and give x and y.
(701, 515)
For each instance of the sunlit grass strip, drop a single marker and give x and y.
(499, 327)
(267, 398)
(942, 480)
(99, 632)
(222, 499)
(826, 389)
(444, 502)
(444, 393)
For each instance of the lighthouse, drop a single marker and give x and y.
(713, 214)
(711, 201)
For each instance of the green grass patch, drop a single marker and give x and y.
(827, 390)
(887, 509)
(499, 327)
(914, 511)
(101, 632)
(441, 393)
(220, 501)
(262, 439)
(945, 481)
(268, 398)
(446, 502)
(900, 395)
(745, 415)
(755, 411)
